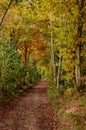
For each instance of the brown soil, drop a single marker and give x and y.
(31, 111)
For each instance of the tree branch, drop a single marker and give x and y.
(6, 12)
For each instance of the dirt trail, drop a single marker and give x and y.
(31, 111)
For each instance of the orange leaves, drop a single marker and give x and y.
(38, 48)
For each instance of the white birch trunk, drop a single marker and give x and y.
(78, 68)
(52, 50)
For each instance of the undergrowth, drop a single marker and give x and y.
(69, 107)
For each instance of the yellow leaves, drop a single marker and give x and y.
(41, 17)
(15, 10)
(2, 1)
(57, 42)
(67, 67)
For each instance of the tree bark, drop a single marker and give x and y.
(25, 58)
(79, 36)
(58, 73)
(3, 67)
(52, 51)
(59, 63)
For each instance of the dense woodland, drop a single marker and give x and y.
(46, 39)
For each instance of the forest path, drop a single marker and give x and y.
(31, 111)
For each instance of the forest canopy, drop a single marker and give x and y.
(46, 37)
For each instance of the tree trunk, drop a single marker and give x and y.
(59, 64)
(79, 36)
(3, 68)
(52, 51)
(25, 60)
(58, 74)
(78, 68)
